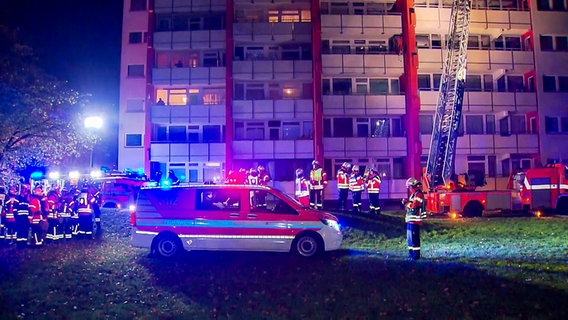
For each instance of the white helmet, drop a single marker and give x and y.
(411, 182)
(355, 168)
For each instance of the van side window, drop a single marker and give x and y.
(265, 202)
(217, 199)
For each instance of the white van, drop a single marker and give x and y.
(229, 218)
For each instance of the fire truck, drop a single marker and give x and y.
(119, 190)
(535, 190)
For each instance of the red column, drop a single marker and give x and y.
(410, 83)
(316, 74)
(149, 100)
(229, 85)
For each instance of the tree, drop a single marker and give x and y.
(40, 116)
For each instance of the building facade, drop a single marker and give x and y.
(209, 86)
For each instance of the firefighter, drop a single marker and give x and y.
(253, 178)
(373, 183)
(263, 175)
(302, 188)
(318, 182)
(54, 229)
(173, 179)
(241, 176)
(85, 213)
(37, 211)
(22, 216)
(9, 213)
(65, 211)
(74, 213)
(343, 186)
(414, 214)
(356, 187)
(97, 203)
(231, 177)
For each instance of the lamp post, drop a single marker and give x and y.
(95, 123)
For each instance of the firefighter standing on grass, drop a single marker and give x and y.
(85, 212)
(356, 186)
(414, 213)
(9, 214)
(343, 186)
(318, 182)
(37, 213)
(54, 229)
(373, 183)
(22, 216)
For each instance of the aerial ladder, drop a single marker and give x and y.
(441, 157)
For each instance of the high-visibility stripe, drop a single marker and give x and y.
(220, 236)
(547, 186)
(226, 224)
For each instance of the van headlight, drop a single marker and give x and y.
(331, 223)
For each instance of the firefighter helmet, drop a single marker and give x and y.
(355, 168)
(412, 182)
(13, 190)
(260, 168)
(299, 173)
(346, 165)
(253, 172)
(315, 163)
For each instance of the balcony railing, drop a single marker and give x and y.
(187, 152)
(273, 149)
(363, 104)
(365, 147)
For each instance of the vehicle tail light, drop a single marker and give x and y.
(132, 215)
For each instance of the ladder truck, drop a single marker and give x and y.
(441, 193)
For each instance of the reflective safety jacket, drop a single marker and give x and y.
(36, 213)
(10, 208)
(302, 188)
(415, 208)
(85, 205)
(253, 180)
(356, 182)
(342, 179)
(318, 179)
(264, 178)
(52, 203)
(374, 184)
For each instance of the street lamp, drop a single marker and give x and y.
(93, 122)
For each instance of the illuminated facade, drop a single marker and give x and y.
(208, 86)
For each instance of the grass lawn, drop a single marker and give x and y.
(484, 268)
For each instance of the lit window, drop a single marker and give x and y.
(178, 97)
(306, 16)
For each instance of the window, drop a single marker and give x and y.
(255, 131)
(265, 202)
(362, 127)
(178, 134)
(379, 86)
(563, 84)
(135, 37)
(212, 133)
(291, 130)
(137, 5)
(426, 124)
(518, 125)
(381, 127)
(474, 124)
(136, 71)
(549, 83)
(546, 43)
(473, 83)
(218, 199)
(133, 140)
(551, 125)
(341, 86)
(490, 124)
(422, 41)
(544, 5)
(561, 43)
(487, 82)
(424, 82)
(564, 124)
(343, 127)
(255, 92)
(515, 84)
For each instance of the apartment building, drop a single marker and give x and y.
(210, 86)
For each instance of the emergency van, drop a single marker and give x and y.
(229, 218)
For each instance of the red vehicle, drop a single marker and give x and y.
(119, 191)
(542, 189)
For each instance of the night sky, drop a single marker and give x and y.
(78, 41)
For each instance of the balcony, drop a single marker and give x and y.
(479, 61)
(273, 149)
(214, 114)
(185, 76)
(486, 102)
(364, 147)
(272, 70)
(363, 105)
(184, 152)
(170, 6)
(360, 26)
(390, 65)
(490, 144)
(494, 22)
(183, 40)
(273, 109)
(267, 32)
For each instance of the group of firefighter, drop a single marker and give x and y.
(310, 190)
(31, 215)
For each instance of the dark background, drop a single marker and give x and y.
(77, 41)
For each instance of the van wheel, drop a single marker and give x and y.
(473, 209)
(306, 245)
(168, 246)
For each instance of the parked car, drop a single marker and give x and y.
(229, 218)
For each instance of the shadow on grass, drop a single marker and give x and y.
(344, 285)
